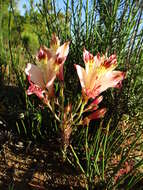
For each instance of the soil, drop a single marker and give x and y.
(26, 165)
(30, 165)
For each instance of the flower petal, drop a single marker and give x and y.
(98, 74)
(81, 74)
(34, 89)
(113, 78)
(89, 61)
(87, 57)
(98, 60)
(50, 82)
(36, 75)
(44, 53)
(51, 90)
(63, 51)
(111, 62)
(49, 72)
(108, 80)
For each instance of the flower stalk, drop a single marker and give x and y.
(97, 76)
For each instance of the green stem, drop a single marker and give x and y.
(78, 106)
(86, 150)
(86, 19)
(80, 113)
(77, 160)
(55, 115)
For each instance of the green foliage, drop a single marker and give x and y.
(30, 41)
(106, 159)
(100, 26)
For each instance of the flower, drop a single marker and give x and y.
(94, 115)
(58, 52)
(97, 114)
(41, 81)
(98, 75)
(41, 77)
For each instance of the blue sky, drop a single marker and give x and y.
(59, 3)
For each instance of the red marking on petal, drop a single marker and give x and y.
(110, 61)
(96, 91)
(60, 60)
(28, 77)
(44, 53)
(119, 75)
(35, 90)
(87, 56)
(124, 74)
(98, 55)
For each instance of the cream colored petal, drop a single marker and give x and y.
(87, 56)
(97, 61)
(109, 80)
(82, 75)
(36, 75)
(114, 77)
(63, 50)
(49, 72)
(91, 79)
(88, 60)
(50, 81)
(97, 76)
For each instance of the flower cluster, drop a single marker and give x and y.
(97, 76)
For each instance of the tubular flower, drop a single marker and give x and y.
(98, 74)
(95, 115)
(41, 77)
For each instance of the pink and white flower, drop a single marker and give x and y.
(41, 77)
(59, 53)
(98, 75)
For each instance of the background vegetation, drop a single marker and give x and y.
(106, 26)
